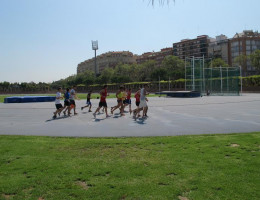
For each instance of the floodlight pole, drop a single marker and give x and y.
(221, 79)
(241, 80)
(193, 73)
(95, 48)
(185, 75)
(95, 62)
(169, 84)
(160, 85)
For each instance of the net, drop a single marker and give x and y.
(200, 76)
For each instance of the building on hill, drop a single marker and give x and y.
(156, 56)
(220, 48)
(197, 47)
(109, 59)
(244, 43)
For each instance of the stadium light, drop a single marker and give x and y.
(95, 48)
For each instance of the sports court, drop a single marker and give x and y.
(167, 117)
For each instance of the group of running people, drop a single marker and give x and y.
(123, 96)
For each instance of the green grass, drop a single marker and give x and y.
(206, 167)
(80, 95)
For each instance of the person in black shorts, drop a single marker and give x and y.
(88, 102)
(58, 105)
(102, 103)
(67, 101)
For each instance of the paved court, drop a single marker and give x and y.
(167, 117)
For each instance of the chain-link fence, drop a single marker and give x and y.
(200, 76)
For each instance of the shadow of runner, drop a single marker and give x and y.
(58, 118)
(116, 115)
(98, 120)
(140, 121)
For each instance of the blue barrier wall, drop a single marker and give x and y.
(29, 99)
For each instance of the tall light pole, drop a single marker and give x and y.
(95, 48)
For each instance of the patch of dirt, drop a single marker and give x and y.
(28, 190)
(182, 198)
(234, 145)
(123, 197)
(83, 184)
(41, 198)
(8, 196)
(171, 174)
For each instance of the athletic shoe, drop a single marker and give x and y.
(89, 111)
(54, 117)
(94, 114)
(81, 108)
(64, 113)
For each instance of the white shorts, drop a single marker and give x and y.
(143, 104)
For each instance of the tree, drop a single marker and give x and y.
(5, 84)
(255, 60)
(159, 72)
(145, 70)
(88, 77)
(218, 62)
(106, 76)
(174, 66)
(121, 74)
(241, 60)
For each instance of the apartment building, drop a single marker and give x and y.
(244, 43)
(156, 56)
(197, 47)
(109, 59)
(220, 48)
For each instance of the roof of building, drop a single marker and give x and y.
(247, 33)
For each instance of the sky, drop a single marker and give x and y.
(45, 40)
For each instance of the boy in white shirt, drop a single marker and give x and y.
(143, 102)
(58, 104)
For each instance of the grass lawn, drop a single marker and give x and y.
(80, 95)
(205, 167)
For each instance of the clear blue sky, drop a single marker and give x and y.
(44, 40)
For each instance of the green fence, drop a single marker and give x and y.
(201, 77)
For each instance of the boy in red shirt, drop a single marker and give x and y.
(102, 103)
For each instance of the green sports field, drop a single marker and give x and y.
(216, 167)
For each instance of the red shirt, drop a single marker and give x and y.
(128, 95)
(103, 95)
(137, 97)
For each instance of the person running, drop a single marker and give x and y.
(137, 101)
(124, 95)
(67, 101)
(88, 102)
(128, 99)
(143, 105)
(119, 105)
(58, 105)
(102, 103)
(137, 98)
(73, 95)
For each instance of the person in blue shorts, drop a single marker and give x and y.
(88, 102)
(128, 99)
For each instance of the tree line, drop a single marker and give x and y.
(172, 67)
